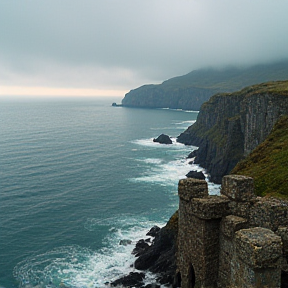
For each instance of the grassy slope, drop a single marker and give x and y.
(229, 79)
(268, 163)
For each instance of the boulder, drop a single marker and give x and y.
(196, 175)
(134, 279)
(153, 231)
(193, 154)
(140, 248)
(163, 139)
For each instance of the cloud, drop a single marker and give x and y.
(123, 44)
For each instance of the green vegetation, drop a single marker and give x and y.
(190, 91)
(268, 163)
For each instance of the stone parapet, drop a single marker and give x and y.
(238, 188)
(269, 213)
(283, 233)
(192, 188)
(258, 247)
(232, 240)
(212, 207)
(230, 224)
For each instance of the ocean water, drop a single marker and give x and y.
(76, 178)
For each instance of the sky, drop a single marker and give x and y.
(108, 47)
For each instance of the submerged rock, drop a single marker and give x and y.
(163, 139)
(196, 175)
(125, 242)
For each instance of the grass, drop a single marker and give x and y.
(268, 163)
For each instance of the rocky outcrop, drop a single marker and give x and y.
(196, 175)
(156, 96)
(229, 126)
(163, 139)
(158, 258)
(190, 91)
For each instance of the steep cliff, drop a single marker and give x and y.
(193, 89)
(229, 126)
(267, 163)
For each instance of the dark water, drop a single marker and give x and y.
(76, 178)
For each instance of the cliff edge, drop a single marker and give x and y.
(190, 91)
(229, 126)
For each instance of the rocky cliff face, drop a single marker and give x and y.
(231, 125)
(155, 96)
(190, 91)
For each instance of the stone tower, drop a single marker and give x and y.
(222, 241)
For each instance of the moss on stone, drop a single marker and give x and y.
(268, 163)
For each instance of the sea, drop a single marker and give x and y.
(77, 176)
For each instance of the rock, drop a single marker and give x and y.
(193, 154)
(163, 139)
(160, 256)
(230, 126)
(153, 231)
(196, 175)
(152, 285)
(125, 242)
(140, 248)
(134, 279)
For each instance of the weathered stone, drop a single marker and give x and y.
(238, 187)
(258, 247)
(192, 188)
(212, 207)
(283, 233)
(230, 224)
(240, 209)
(216, 250)
(269, 213)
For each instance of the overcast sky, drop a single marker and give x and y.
(122, 44)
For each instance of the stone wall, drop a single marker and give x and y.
(232, 240)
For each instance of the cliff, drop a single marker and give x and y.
(267, 164)
(229, 126)
(190, 91)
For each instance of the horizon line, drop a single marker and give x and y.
(43, 91)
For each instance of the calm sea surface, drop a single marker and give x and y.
(76, 177)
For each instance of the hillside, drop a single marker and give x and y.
(268, 163)
(231, 125)
(190, 91)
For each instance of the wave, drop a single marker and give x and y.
(75, 266)
(174, 146)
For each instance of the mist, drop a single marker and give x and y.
(124, 44)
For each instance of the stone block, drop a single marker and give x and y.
(259, 247)
(192, 188)
(283, 233)
(212, 207)
(237, 187)
(240, 209)
(269, 213)
(230, 224)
